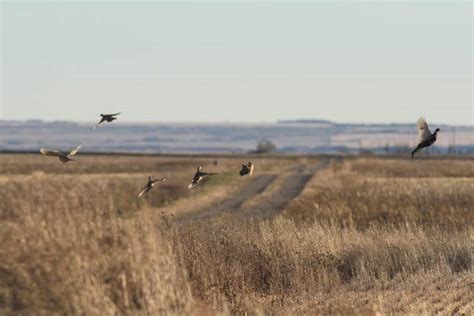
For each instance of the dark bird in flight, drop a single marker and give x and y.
(246, 169)
(63, 157)
(106, 118)
(150, 185)
(198, 177)
(426, 137)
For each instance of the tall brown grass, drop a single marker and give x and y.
(64, 252)
(350, 231)
(76, 240)
(347, 197)
(357, 240)
(278, 262)
(418, 168)
(16, 164)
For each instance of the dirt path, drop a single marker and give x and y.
(256, 186)
(290, 189)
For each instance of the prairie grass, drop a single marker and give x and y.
(84, 244)
(279, 263)
(76, 240)
(362, 201)
(365, 236)
(16, 164)
(350, 235)
(61, 260)
(418, 168)
(97, 164)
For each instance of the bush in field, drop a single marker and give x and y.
(265, 146)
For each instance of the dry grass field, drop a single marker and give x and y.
(302, 235)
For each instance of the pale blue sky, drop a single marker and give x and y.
(241, 62)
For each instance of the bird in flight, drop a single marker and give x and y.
(426, 137)
(246, 169)
(63, 157)
(150, 185)
(106, 118)
(198, 177)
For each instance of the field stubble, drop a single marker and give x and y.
(365, 236)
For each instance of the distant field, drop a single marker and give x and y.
(302, 235)
(231, 138)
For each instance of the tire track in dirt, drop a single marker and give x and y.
(290, 189)
(257, 185)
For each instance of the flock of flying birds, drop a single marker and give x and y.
(247, 169)
(426, 139)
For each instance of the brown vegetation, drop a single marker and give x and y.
(365, 236)
(418, 168)
(61, 260)
(358, 194)
(346, 245)
(279, 264)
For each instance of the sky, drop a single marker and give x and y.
(361, 62)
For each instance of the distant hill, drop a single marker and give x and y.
(305, 122)
(291, 136)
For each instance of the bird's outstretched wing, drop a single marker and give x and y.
(115, 114)
(203, 175)
(48, 152)
(423, 130)
(142, 192)
(160, 180)
(73, 152)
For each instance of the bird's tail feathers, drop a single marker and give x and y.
(414, 152)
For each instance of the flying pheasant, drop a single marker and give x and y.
(63, 157)
(426, 137)
(198, 177)
(246, 169)
(150, 185)
(106, 118)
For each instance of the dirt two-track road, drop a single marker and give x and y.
(270, 204)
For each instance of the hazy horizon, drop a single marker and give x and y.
(256, 123)
(238, 62)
